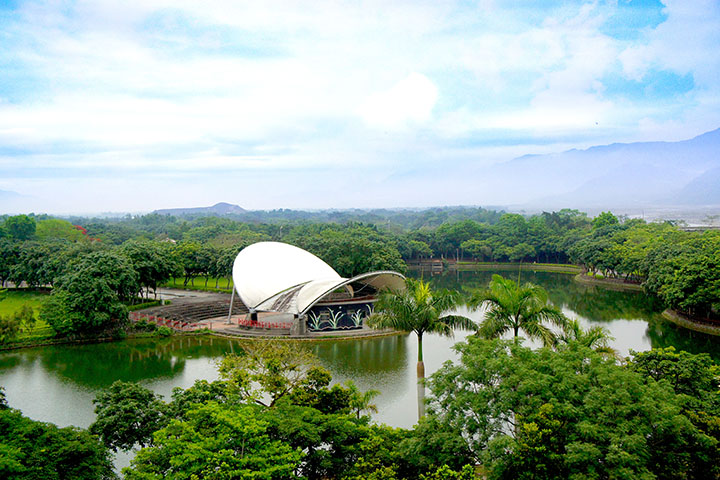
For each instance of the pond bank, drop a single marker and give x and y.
(312, 337)
(691, 324)
(613, 284)
(498, 266)
(52, 341)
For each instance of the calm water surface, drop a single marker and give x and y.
(57, 384)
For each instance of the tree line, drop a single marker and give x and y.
(681, 268)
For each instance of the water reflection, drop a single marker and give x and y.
(633, 318)
(58, 383)
(384, 356)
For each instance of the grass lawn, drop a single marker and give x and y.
(12, 300)
(223, 283)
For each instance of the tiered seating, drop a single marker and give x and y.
(195, 312)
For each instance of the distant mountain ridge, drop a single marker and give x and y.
(218, 209)
(620, 174)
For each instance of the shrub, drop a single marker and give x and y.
(163, 331)
(144, 326)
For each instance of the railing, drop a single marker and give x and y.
(244, 322)
(158, 320)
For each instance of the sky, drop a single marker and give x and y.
(142, 104)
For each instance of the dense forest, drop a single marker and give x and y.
(139, 253)
(566, 410)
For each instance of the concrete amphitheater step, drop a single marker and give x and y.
(195, 312)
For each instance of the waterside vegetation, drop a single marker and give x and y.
(501, 411)
(97, 269)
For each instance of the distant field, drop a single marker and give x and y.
(12, 300)
(223, 283)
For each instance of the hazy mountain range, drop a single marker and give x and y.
(619, 175)
(219, 209)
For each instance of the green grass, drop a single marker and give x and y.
(12, 300)
(223, 284)
(140, 306)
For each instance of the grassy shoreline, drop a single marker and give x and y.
(608, 283)
(537, 267)
(686, 322)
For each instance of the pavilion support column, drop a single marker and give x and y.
(232, 299)
(299, 328)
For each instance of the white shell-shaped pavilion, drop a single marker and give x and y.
(277, 277)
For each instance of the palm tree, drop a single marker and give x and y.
(417, 308)
(511, 307)
(361, 401)
(596, 338)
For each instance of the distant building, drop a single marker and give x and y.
(277, 277)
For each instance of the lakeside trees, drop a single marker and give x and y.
(220, 430)
(573, 413)
(31, 450)
(92, 296)
(421, 310)
(510, 411)
(680, 268)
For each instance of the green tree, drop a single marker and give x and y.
(477, 249)
(9, 253)
(563, 414)
(431, 444)
(56, 229)
(20, 227)
(267, 369)
(605, 219)
(596, 338)
(31, 450)
(188, 254)
(153, 262)
(511, 308)
(215, 442)
(9, 328)
(92, 296)
(39, 264)
(446, 473)
(127, 414)
(361, 401)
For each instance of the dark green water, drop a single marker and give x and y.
(58, 384)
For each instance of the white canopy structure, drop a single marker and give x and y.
(277, 277)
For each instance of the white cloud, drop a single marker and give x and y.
(187, 86)
(409, 102)
(688, 42)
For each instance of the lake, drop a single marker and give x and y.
(58, 383)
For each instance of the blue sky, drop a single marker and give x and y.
(137, 105)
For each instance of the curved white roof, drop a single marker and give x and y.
(274, 276)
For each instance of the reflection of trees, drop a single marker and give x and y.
(98, 365)
(372, 363)
(665, 334)
(10, 360)
(369, 356)
(603, 305)
(594, 303)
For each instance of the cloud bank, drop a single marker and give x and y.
(139, 105)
